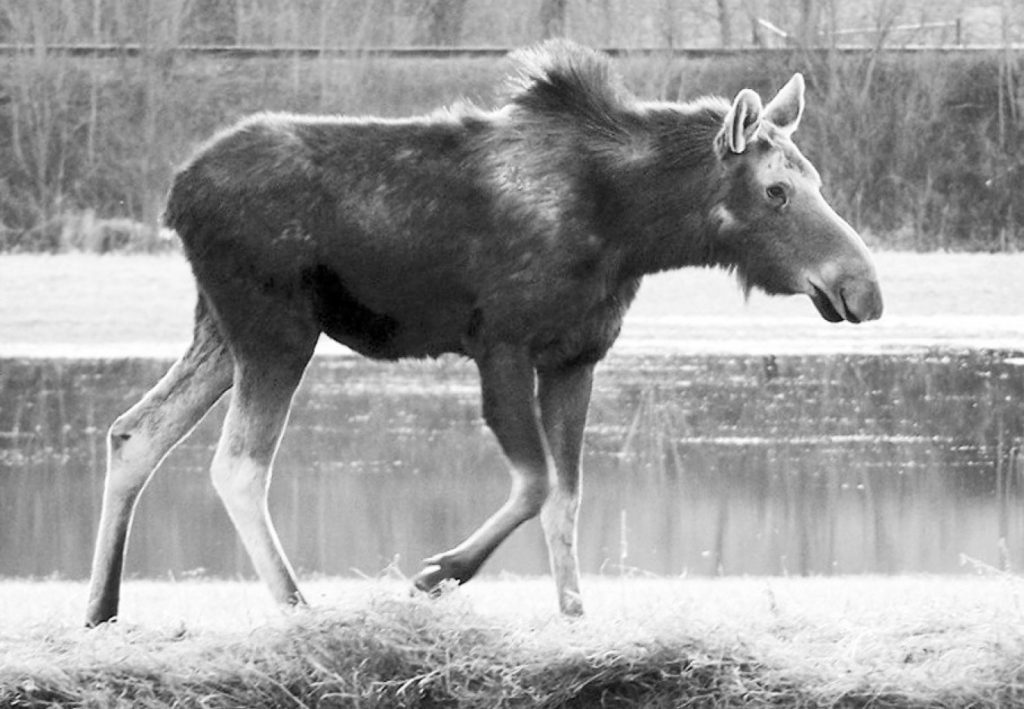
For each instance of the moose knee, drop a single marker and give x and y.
(130, 444)
(530, 492)
(120, 432)
(130, 459)
(238, 480)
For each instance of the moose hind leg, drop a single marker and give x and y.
(241, 468)
(564, 399)
(139, 440)
(510, 409)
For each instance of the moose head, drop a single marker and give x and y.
(774, 225)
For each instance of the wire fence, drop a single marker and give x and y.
(479, 52)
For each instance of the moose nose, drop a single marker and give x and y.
(861, 299)
(853, 298)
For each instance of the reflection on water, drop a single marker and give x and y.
(696, 464)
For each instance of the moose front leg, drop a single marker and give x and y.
(510, 409)
(564, 399)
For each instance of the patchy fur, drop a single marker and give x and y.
(515, 236)
(533, 220)
(530, 222)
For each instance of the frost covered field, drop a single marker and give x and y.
(869, 641)
(79, 305)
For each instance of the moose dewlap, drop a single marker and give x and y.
(516, 237)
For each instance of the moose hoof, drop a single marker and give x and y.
(431, 580)
(100, 613)
(441, 569)
(571, 605)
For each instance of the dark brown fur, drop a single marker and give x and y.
(417, 237)
(517, 237)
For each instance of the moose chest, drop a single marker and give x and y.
(560, 311)
(562, 315)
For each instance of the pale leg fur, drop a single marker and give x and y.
(136, 444)
(510, 409)
(564, 398)
(241, 473)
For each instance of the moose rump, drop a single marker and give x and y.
(358, 228)
(516, 237)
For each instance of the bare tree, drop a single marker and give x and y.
(442, 21)
(752, 10)
(552, 18)
(724, 22)
(41, 99)
(810, 21)
(212, 22)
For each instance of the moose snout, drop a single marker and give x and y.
(855, 298)
(861, 298)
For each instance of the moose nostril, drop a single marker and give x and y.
(862, 300)
(851, 310)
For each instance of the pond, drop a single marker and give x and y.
(702, 465)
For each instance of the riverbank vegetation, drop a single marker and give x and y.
(853, 641)
(918, 149)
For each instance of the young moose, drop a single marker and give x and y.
(515, 237)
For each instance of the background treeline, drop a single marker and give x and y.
(623, 23)
(917, 149)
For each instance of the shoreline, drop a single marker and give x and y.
(757, 641)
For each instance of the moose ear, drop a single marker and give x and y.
(788, 105)
(742, 121)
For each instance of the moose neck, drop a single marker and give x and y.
(658, 207)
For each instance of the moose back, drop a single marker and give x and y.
(516, 237)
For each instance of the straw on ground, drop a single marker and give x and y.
(921, 641)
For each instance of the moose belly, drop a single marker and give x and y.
(390, 320)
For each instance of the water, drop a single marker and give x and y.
(693, 464)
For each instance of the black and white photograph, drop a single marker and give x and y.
(465, 353)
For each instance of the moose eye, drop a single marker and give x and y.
(777, 193)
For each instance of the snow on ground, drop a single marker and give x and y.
(79, 305)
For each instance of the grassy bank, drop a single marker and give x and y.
(856, 641)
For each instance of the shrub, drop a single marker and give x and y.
(916, 150)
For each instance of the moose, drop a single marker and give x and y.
(516, 237)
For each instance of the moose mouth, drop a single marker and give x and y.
(827, 309)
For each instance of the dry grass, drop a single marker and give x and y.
(853, 641)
